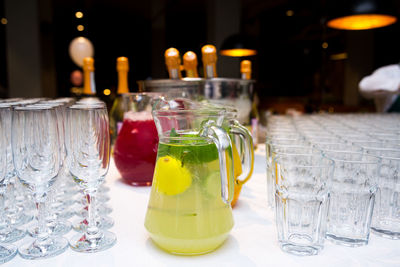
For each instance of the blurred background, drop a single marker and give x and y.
(300, 63)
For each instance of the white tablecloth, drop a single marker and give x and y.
(252, 241)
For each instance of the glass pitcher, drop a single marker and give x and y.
(189, 209)
(135, 147)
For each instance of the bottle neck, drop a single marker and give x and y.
(89, 87)
(122, 82)
(174, 73)
(210, 71)
(192, 73)
(246, 76)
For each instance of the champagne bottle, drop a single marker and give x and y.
(209, 57)
(190, 64)
(117, 109)
(245, 69)
(89, 86)
(173, 62)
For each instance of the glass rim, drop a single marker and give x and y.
(175, 112)
(354, 161)
(34, 107)
(329, 162)
(386, 150)
(92, 106)
(143, 93)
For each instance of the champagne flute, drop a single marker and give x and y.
(7, 252)
(88, 148)
(8, 233)
(36, 155)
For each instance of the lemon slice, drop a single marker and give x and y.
(170, 177)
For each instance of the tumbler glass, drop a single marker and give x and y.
(353, 189)
(386, 218)
(302, 201)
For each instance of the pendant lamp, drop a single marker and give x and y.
(361, 14)
(238, 46)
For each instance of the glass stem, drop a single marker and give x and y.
(11, 196)
(92, 228)
(3, 221)
(42, 228)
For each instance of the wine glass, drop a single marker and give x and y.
(36, 154)
(88, 149)
(55, 206)
(7, 252)
(8, 233)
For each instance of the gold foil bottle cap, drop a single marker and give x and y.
(209, 54)
(88, 64)
(189, 60)
(122, 64)
(245, 66)
(172, 59)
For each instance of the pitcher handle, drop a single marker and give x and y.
(246, 141)
(223, 142)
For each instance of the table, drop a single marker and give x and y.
(252, 241)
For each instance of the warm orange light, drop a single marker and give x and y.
(4, 21)
(106, 91)
(238, 52)
(362, 22)
(289, 13)
(80, 28)
(338, 56)
(79, 15)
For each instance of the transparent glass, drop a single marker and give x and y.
(353, 189)
(135, 148)
(301, 202)
(386, 217)
(88, 146)
(189, 210)
(37, 161)
(8, 233)
(7, 252)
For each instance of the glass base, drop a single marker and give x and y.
(386, 233)
(56, 228)
(66, 214)
(42, 249)
(102, 222)
(300, 250)
(90, 244)
(104, 189)
(102, 209)
(139, 183)
(12, 235)
(348, 242)
(188, 247)
(19, 219)
(7, 252)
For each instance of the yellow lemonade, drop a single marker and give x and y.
(186, 214)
